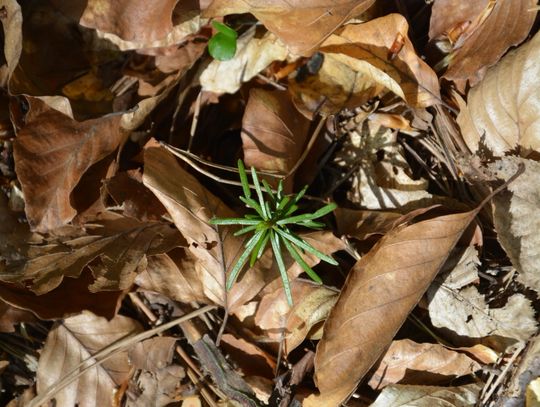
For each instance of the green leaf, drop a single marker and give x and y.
(243, 179)
(259, 193)
(222, 46)
(300, 243)
(252, 204)
(309, 216)
(245, 230)
(234, 221)
(281, 266)
(296, 256)
(242, 259)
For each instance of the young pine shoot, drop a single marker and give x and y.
(271, 223)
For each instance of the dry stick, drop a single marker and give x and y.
(499, 380)
(193, 371)
(271, 82)
(424, 165)
(195, 120)
(109, 351)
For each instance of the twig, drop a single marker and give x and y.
(195, 120)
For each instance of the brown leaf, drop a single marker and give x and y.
(10, 316)
(449, 14)
(380, 291)
(403, 73)
(252, 360)
(52, 152)
(73, 341)
(311, 305)
(362, 223)
(428, 396)
(152, 354)
(274, 133)
(503, 111)
(408, 362)
(112, 247)
(300, 25)
(12, 25)
(507, 24)
(162, 388)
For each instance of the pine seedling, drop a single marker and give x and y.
(270, 223)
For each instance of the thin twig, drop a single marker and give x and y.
(195, 120)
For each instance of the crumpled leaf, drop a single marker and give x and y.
(518, 233)
(408, 362)
(76, 339)
(502, 112)
(503, 25)
(274, 133)
(404, 73)
(299, 24)
(442, 22)
(152, 354)
(384, 285)
(311, 305)
(11, 316)
(361, 224)
(12, 26)
(112, 247)
(52, 152)
(161, 388)
(252, 56)
(428, 396)
(134, 25)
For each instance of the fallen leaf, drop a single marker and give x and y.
(449, 14)
(300, 25)
(502, 112)
(252, 56)
(12, 26)
(428, 396)
(362, 224)
(408, 362)
(152, 354)
(10, 316)
(76, 339)
(134, 25)
(507, 24)
(52, 152)
(311, 305)
(518, 233)
(251, 359)
(113, 248)
(274, 133)
(406, 74)
(383, 286)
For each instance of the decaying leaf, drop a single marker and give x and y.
(252, 56)
(317, 19)
(152, 354)
(518, 233)
(384, 285)
(52, 152)
(161, 388)
(501, 25)
(405, 74)
(274, 133)
(311, 305)
(134, 25)
(75, 340)
(428, 396)
(503, 111)
(408, 362)
(12, 26)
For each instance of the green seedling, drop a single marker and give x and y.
(271, 223)
(222, 46)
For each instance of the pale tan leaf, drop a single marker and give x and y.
(152, 354)
(252, 56)
(502, 25)
(379, 293)
(403, 73)
(73, 341)
(502, 112)
(408, 362)
(518, 233)
(428, 396)
(299, 24)
(12, 26)
(448, 15)
(311, 305)
(161, 388)
(251, 359)
(52, 152)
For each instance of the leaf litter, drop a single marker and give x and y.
(119, 138)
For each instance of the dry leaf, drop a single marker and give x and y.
(503, 111)
(518, 233)
(301, 26)
(448, 15)
(504, 24)
(73, 341)
(380, 291)
(160, 389)
(252, 56)
(428, 396)
(408, 362)
(274, 133)
(52, 152)
(152, 354)
(311, 305)
(10, 316)
(362, 224)
(134, 25)
(12, 25)
(252, 360)
(404, 73)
